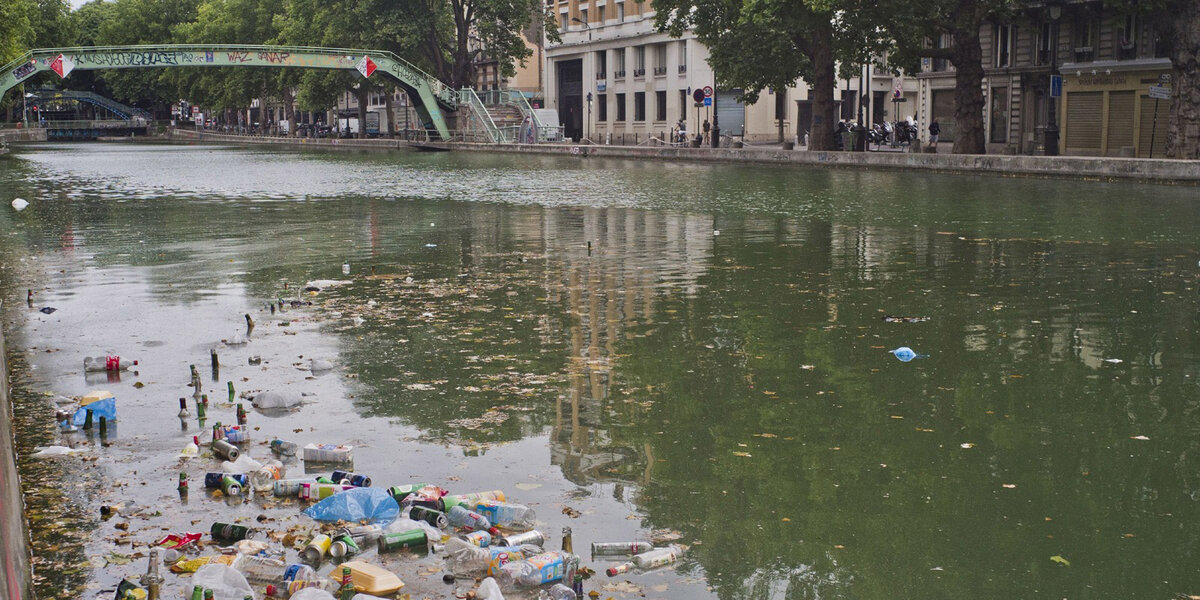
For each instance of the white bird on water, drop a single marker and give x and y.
(20, 204)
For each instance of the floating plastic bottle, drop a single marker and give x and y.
(328, 453)
(283, 448)
(482, 539)
(620, 548)
(469, 520)
(503, 514)
(560, 592)
(462, 558)
(97, 364)
(536, 570)
(264, 479)
(261, 570)
(288, 487)
(470, 500)
(649, 560)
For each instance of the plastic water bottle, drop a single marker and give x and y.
(283, 448)
(536, 570)
(620, 548)
(97, 364)
(264, 479)
(560, 592)
(462, 558)
(658, 557)
(503, 514)
(261, 570)
(469, 520)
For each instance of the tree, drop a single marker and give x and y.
(455, 33)
(771, 44)
(1177, 25)
(16, 34)
(144, 22)
(913, 24)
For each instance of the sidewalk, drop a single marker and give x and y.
(14, 537)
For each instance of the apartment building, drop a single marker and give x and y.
(1107, 62)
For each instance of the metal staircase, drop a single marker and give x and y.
(129, 113)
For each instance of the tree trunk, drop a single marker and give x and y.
(967, 59)
(391, 115)
(1183, 126)
(362, 93)
(820, 132)
(289, 111)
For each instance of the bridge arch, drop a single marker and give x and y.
(430, 97)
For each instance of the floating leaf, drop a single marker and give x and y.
(1060, 560)
(1139, 437)
(967, 445)
(1010, 485)
(527, 486)
(745, 454)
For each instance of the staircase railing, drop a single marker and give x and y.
(470, 98)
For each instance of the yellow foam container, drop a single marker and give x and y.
(95, 396)
(369, 578)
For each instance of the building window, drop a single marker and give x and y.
(1047, 38)
(563, 21)
(683, 105)
(619, 63)
(600, 14)
(941, 41)
(1085, 39)
(1003, 35)
(602, 107)
(583, 17)
(1127, 37)
(620, 12)
(639, 106)
(660, 59)
(683, 56)
(620, 107)
(660, 105)
(601, 65)
(639, 61)
(781, 106)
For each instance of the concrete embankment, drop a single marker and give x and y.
(36, 134)
(14, 549)
(1070, 167)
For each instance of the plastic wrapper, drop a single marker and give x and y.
(244, 464)
(312, 594)
(274, 399)
(406, 524)
(191, 565)
(358, 504)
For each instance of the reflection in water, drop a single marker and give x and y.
(711, 369)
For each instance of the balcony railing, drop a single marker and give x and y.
(639, 72)
(601, 75)
(660, 71)
(683, 68)
(618, 74)
(1084, 54)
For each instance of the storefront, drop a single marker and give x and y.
(1107, 109)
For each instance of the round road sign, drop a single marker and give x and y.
(698, 95)
(708, 91)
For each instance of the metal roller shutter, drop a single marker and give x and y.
(1083, 120)
(1120, 121)
(731, 114)
(943, 112)
(1160, 132)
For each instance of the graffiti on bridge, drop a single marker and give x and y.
(135, 59)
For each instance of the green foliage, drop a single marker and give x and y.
(230, 21)
(144, 22)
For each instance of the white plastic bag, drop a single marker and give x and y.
(489, 590)
(223, 580)
(312, 593)
(286, 399)
(244, 464)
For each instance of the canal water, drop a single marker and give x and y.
(692, 354)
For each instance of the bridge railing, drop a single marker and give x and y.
(444, 93)
(470, 98)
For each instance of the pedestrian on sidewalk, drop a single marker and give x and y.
(934, 131)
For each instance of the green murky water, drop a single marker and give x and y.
(639, 350)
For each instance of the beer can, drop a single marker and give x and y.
(434, 517)
(231, 486)
(532, 536)
(348, 478)
(412, 538)
(316, 548)
(231, 532)
(226, 450)
(400, 492)
(343, 546)
(216, 481)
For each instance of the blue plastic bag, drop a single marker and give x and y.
(359, 504)
(106, 408)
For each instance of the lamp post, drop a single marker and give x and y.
(25, 105)
(1054, 11)
(588, 28)
(587, 123)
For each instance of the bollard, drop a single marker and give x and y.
(87, 422)
(103, 427)
(589, 247)
(249, 325)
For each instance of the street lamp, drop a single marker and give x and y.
(1054, 11)
(587, 124)
(588, 28)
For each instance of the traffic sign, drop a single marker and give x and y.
(1164, 78)
(1160, 92)
(708, 91)
(366, 66)
(698, 95)
(63, 65)
(708, 101)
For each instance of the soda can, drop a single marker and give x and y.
(434, 517)
(316, 548)
(412, 538)
(215, 481)
(348, 478)
(226, 450)
(231, 486)
(289, 487)
(532, 536)
(231, 532)
(482, 539)
(343, 546)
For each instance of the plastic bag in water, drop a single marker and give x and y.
(277, 399)
(223, 580)
(312, 593)
(358, 504)
(106, 408)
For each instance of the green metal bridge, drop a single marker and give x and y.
(431, 98)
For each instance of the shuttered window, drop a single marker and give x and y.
(1160, 132)
(1120, 121)
(943, 112)
(1083, 120)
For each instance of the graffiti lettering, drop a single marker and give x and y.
(130, 59)
(24, 70)
(274, 57)
(239, 57)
